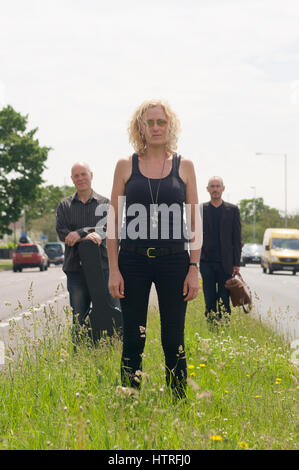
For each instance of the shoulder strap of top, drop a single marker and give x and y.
(176, 162)
(135, 168)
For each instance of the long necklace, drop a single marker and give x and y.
(154, 216)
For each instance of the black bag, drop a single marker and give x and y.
(239, 292)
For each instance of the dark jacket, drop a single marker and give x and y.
(230, 235)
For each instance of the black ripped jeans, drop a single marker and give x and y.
(168, 273)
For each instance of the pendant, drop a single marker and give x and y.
(154, 218)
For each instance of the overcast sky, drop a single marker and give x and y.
(228, 68)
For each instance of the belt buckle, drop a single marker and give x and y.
(148, 253)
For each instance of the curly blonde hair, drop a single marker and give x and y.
(134, 129)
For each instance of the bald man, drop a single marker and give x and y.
(221, 250)
(74, 214)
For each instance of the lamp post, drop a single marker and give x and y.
(285, 182)
(254, 214)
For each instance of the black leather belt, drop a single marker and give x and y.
(153, 252)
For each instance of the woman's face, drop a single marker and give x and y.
(155, 126)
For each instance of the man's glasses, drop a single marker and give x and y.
(160, 122)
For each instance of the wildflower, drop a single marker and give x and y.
(193, 384)
(277, 381)
(216, 438)
(126, 391)
(77, 395)
(258, 396)
(247, 375)
(243, 445)
(190, 366)
(192, 374)
(202, 365)
(226, 391)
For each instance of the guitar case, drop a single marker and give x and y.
(104, 318)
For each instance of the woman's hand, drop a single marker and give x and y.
(94, 237)
(116, 284)
(191, 284)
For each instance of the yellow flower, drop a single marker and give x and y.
(226, 391)
(297, 387)
(258, 396)
(191, 366)
(247, 375)
(192, 374)
(202, 365)
(216, 438)
(243, 445)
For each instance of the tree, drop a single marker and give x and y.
(265, 217)
(47, 200)
(247, 209)
(41, 217)
(22, 162)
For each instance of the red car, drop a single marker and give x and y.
(29, 255)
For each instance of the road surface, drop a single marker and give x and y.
(16, 289)
(276, 299)
(276, 296)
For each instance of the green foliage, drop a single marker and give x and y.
(47, 200)
(265, 217)
(246, 207)
(46, 225)
(10, 246)
(22, 162)
(41, 217)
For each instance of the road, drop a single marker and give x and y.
(15, 288)
(276, 299)
(275, 296)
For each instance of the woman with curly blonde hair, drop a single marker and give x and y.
(155, 246)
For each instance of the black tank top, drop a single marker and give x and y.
(139, 228)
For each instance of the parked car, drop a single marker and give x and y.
(251, 254)
(55, 252)
(29, 255)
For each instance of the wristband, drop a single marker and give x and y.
(194, 264)
(82, 233)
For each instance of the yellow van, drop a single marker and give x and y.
(280, 250)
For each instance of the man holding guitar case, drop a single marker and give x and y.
(86, 267)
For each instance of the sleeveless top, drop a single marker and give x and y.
(139, 228)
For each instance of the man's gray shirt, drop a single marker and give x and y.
(74, 215)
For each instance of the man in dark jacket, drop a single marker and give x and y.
(221, 250)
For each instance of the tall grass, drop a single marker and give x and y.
(242, 391)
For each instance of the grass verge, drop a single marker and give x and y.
(242, 392)
(5, 265)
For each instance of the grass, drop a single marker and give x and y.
(5, 265)
(242, 391)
